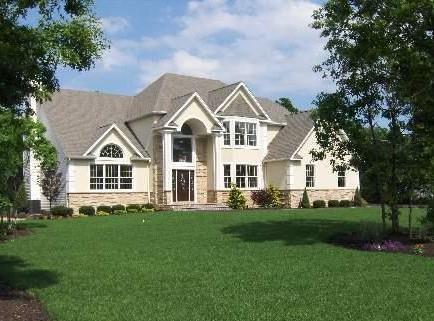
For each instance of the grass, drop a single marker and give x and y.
(257, 265)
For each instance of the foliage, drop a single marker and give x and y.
(385, 246)
(87, 210)
(61, 211)
(333, 203)
(304, 202)
(119, 212)
(51, 183)
(419, 249)
(21, 204)
(345, 203)
(148, 206)
(236, 199)
(287, 103)
(102, 213)
(358, 201)
(319, 204)
(78, 215)
(133, 208)
(118, 207)
(370, 231)
(104, 208)
(267, 198)
(380, 58)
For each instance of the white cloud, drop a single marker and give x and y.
(113, 25)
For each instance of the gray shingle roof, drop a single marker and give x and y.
(290, 137)
(78, 118)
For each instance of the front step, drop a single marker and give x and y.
(196, 207)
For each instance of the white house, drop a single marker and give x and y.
(182, 140)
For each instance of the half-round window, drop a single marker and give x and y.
(111, 151)
(186, 130)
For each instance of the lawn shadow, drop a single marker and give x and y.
(18, 274)
(292, 232)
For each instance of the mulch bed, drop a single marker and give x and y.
(353, 241)
(15, 234)
(19, 305)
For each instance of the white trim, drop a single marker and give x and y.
(302, 143)
(228, 98)
(259, 173)
(189, 100)
(113, 126)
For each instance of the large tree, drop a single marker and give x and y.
(36, 38)
(287, 103)
(381, 60)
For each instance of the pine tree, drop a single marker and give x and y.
(358, 200)
(305, 202)
(236, 199)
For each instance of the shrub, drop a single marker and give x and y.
(21, 203)
(358, 200)
(87, 210)
(319, 204)
(333, 203)
(269, 197)
(104, 208)
(118, 207)
(236, 199)
(304, 203)
(102, 213)
(119, 212)
(79, 215)
(133, 208)
(345, 203)
(148, 206)
(62, 211)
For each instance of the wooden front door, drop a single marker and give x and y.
(183, 185)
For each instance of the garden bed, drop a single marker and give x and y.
(393, 243)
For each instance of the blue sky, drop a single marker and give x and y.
(267, 44)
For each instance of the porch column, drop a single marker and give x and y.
(217, 166)
(167, 164)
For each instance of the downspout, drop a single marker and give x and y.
(149, 182)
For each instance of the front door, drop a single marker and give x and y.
(183, 185)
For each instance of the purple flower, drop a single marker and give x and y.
(386, 246)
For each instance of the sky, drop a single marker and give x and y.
(268, 44)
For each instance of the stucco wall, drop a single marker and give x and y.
(195, 111)
(276, 174)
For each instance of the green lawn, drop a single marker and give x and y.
(255, 265)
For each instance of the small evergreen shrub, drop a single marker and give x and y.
(102, 213)
(148, 206)
(21, 202)
(236, 199)
(61, 211)
(133, 208)
(358, 200)
(87, 210)
(104, 208)
(305, 202)
(333, 203)
(345, 203)
(319, 204)
(118, 207)
(119, 212)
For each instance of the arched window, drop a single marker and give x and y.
(186, 130)
(112, 151)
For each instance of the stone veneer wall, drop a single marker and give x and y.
(201, 171)
(320, 194)
(75, 200)
(221, 197)
(157, 167)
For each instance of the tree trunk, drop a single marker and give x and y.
(394, 174)
(410, 215)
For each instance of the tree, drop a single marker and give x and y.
(287, 103)
(51, 183)
(236, 199)
(20, 200)
(377, 48)
(304, 202)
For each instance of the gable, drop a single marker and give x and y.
(114, 137)
(239, 107)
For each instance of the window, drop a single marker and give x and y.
(182, 149)
(227, 133)
(112, 151)
(251, 134)
(111, 177)
(310, 176)
(240, 132)
(246, 176)
(227, 175)
(341, 178)
(96, 176)
(186, 130)
(126, 177)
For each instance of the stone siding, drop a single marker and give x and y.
(201, 171)
(324, 194)
(157, 166)
(221, 197)
(75, 200)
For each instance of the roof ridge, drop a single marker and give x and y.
(94, 92)
(187, 76)
(238, 82)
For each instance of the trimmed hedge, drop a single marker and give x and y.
(104, 208)
(119, 212)
(333, 203)
(118, 207)
(319, 204)
(133, 208)
(345, 203)
(148, 206)
(61, 211)
(87, 210)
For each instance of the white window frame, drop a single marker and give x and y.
(227, 134)
(117, 180)
(247, 177)
(231, 120)
(342, 176)
(181, 165)
(310, 173)
(226, 177)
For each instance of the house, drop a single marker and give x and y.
(181, 140)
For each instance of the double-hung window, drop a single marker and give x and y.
(227, 133)
(251, 134)
(111, 177)
(246, 176)
(341, 178)
(240, 133)
(310, 175)
(227, 176)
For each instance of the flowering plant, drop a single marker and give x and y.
(386, 246)
(419, 249)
